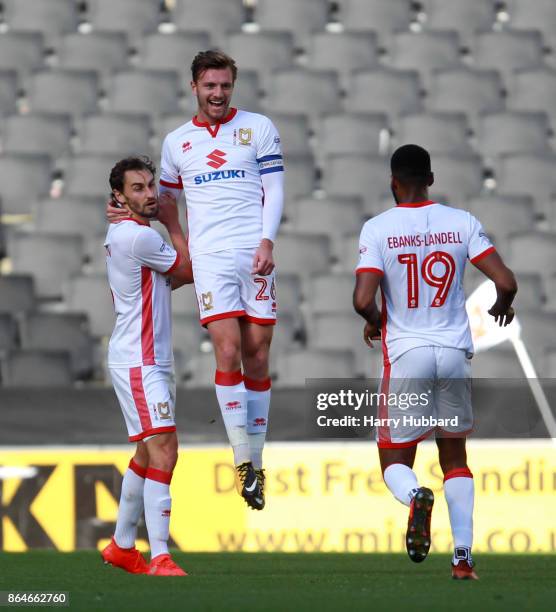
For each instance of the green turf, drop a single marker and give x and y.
(298, 582)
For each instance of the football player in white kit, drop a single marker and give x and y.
(416, 253)
(142, 271)
(229, 164)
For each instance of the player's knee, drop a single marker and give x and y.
(227, 354)
(164, 454)
(256, 362)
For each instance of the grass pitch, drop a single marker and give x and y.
(298, 582)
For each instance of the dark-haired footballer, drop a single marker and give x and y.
(416, 254)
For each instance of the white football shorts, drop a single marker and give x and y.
(426, 390)
(227, 288)
(147, 396)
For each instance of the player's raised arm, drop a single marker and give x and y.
(494, 268)
(170, 179)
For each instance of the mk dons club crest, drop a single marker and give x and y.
(245, 136)
(163, 409)
(206, 301)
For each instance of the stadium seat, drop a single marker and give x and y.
(71, 215)
(549, 283)
(534, 90)
(550, 362)
(201, 367)
(284, 333)
(498, 362)
(247, 91)
(540, 250)
(289, 297)
(50, 17)
(314, 92)
(102, 52)
(185, 302)
(381, 16)
(172, 52)
(344, 331)
(36, 369)
(91, 294)
(17, 294)
(356, 175)
(300, 172)
(351, 133)
(60, 332)
(349, 255)
(144, 92)
(45, 133)
(294, 368)
(468, 16)
(530, 295)
(115, 134)
(187, 333)
(137, 17)
(8, 332)
(538, 332)
(343, 52)
(213, 16)
(437, 132)
(262, 52)
(299, 18)
(87, 175)
(331, 293)
(50, 258)
(458, 176)
(507, 51)
(22, 51)
(466, 91)
(385, 91)
(537, 15)
(424, 52)
(8, 92)
(68, 91)
(302, 254)
(531, 174)
(24, 178)
(294, 133)
(513, 132)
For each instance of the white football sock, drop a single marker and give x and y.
(232, 399)
(401, 481)
(158, 506)
(131, 505)
(258, 406)
(459, 491)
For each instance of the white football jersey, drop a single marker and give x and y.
(137, 258)
(421, 250)
(219, 168)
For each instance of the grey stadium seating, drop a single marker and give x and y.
(294, 368)
(91, 294)
(247, 90)
(70, 215)
(331, 293)
(63, 91)
(468, 16)
(530, 295)
(537, 15)
(539, 249)
(18, 170)
(302, 254)
(534, 90)
(539, 334)
(458, 176)
(136, 17)
(301, 181)
(294, 133)
(36, 369)
(22, 51)
(289, 297)
(498, 362)
(8, 92)
(8, 332)
(87, 175)
(351, 133)
(438, 132)
(17, 293)
(115, 134)
(40, 133)
(144, 92)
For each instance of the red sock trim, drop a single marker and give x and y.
(458, 473)
(135, 467)
(257, 385)
(228, 379)
(159, 475)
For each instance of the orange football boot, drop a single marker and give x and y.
(464, 571)
(129, 559)
(163, 565)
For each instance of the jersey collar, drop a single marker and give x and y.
(136, 221)
(416, 204)
(213, 129)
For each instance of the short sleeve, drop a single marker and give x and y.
(169, 173)
(479, 245)
(370, 256)
(151, 251)
(269, 150)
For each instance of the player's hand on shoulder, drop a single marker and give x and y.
(167, 209)
(503, 318)
(263, 262)
(115, 213)
(371, 332)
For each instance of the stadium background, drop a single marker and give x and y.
(83, 84)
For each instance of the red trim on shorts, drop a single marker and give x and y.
(384, 430)
(409, 444)
(458, 473)
(152, 432)
(373, 270)
(159, 475)
(483, 255)
(174, 265)
(213, 129)
(138, 392)
(135, 467)
(416, 204)
(259, 321)
(178, 185)
(228, 379)
(147, 329)
(233, 314)
(257, 385)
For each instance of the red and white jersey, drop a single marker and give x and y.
(137, 258)
(421, 250)
(219, 168)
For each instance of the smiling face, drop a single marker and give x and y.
(213, 90)
(139, 195)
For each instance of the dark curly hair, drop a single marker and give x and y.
(213, 58)
(117, 174)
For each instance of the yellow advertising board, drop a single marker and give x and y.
(320, 497)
